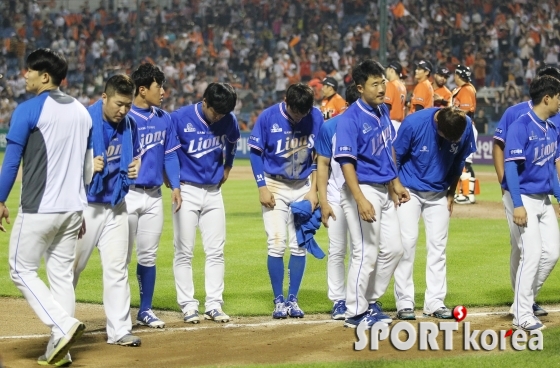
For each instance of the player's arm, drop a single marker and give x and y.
(556, 183)
(365, 208)
(512, 179)
(398, 189)
(134, 166)
(257, 165)
(230, 149)
(311, 196)
(323, 168)
(10, 167)
(498, 157)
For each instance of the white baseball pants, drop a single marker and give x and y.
(396, 125)
(145, 223)
(338, 244)
(539, 248)
(107, 228)
(364, 286)
(202, 206)
(514, 238)
(53, 236)
(277, 219)
(433, 208)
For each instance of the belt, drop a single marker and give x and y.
(280, 177)
(145, 187)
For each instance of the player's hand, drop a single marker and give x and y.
(176, 199)
(402, 194)
(266, 197)
(326, 212)
(311, 196)
(82, 231)
(450, 201)
(98, 164)
(134, 169)
(520, 216)
(366, 210)
(227, 169)
(4, 214)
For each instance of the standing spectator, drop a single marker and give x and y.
(423, 94)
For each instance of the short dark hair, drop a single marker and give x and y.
(119, 83)
(299, 97)
(549, 70)
(352, 94)
(452, 123)
(367, 68)
(145, 75)
(542, 86)
(221, 97)
(50, 62)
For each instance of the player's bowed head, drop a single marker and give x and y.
(218, 100)
(117, 98)
(299, 101)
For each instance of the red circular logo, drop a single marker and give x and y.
(460, 313)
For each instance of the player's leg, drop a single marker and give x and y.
(514, 237)
(95, 217)
(275, 220)
(113, 249)
(32, 235)
(185, 222)
(436, 221)
(550, 252)
(390, 253)
(134, 204)
(365, 238)
(409, 215)
(150, 227)
(531, 245)
(296, 265)
(336, 270)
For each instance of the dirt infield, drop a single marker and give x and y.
(244, 340)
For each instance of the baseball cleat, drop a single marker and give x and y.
(376, 308)
(64, 362)
(339, 310)
(216, 315)
(406, 314)
(461, 199)
(56, 350)
(280, 311)
(441, 313)
(148, 318)
(129, 340)
(538, 311)
(191, 316)
(529, 325)
(293, 308)
(370, 318)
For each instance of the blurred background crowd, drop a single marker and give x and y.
(262, 46)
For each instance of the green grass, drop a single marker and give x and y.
(478, 262)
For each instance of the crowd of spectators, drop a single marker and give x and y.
(262, 46)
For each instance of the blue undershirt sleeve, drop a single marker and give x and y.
(556, 186)
(10, 166)
(512, 180)
(171, 164)
(231, 149)
(257, 165)
(346, 160)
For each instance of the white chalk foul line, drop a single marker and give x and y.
(242, 325)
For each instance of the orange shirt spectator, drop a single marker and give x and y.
(423, 94)
(395, 93)
(333, 104)
(464, 96)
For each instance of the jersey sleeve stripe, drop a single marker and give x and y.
(255, 147)
(515, 159)
(346, 155)
(498, 139)
(234, 140)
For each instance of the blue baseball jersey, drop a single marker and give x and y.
(201, 156)
(366, 134)
(286, 147)
(512, 114)
(113, 138)
(427, 162)
(535, 142)
(157, 138)
(325, 147)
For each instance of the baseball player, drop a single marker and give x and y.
(395, 94)
(464, 98)
(52, 197)
(442, 94)
(364, 137)
(282, 143)
(431, 149)
(333, 104)
(329, 183)
(531, 174)
(509, 116)
(143, 202)
(115, 141)
(208, 134)
(423, 94)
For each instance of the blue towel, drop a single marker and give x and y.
(307, 224)
(99, 147)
